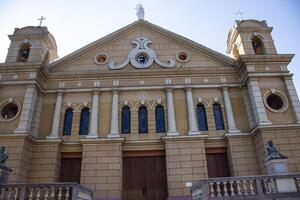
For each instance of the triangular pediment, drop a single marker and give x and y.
(118, 45)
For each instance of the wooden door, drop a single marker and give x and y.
(70, 168)
(217, 163)
(144, 178)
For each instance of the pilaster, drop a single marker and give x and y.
(293, 97)
(27, 110)
(257, 103)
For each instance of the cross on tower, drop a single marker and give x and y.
(239, 13)
(41, 20)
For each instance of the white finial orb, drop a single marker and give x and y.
(140, 11)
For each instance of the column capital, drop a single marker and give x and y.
(31, 86)
(169, 89)
(287, 78)
(115, 91)
(224, 88)
(188, 88)
(60, 92)
(96, 91)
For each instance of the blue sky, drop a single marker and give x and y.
(75, 23)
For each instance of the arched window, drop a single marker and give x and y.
(143, 119)
(258, 46)
(23, 53)
(84, 121)
(160, 119)
(68, 122)
(201, 114)
(125, 124)
(218, 116)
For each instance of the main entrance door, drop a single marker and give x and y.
(144, 176)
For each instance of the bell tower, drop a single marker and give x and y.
(250, 37)
(31, 44)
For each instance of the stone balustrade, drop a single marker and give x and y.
(250, 187)
(51, 191)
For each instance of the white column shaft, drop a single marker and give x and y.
(293, 98)
(257, 103)
(114, 126)
(94, 117)
(171, 114)
(229, 113)
(28, 106)
(191, 113)
(56, 117)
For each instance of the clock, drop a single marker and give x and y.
(142, 58)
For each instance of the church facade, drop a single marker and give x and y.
(143, 112)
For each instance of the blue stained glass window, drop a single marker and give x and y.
(143, 120)
(125, 125)
(202, 120)
(160, 119)
(218, 116)
(68, 122)
(84, 121)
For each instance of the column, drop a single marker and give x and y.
(28, 106)
(257, 103)
(56, 117)
(229, 113)
(94, 118)
(293, 97)
(171, 114)
(114, 125)
(193, 130)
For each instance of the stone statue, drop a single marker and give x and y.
(3, 156)
(140, 12)
(273, 152)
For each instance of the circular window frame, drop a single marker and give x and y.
(188, 56)
(6, 102)
(280, 95)
(96, 58)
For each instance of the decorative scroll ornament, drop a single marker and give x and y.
(142, 56)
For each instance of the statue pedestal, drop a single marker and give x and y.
(4, 174)
(277, 166)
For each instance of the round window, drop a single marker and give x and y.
(9, 111)
(183, 56)
(275, 101)
(101, 59)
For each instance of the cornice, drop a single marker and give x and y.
(20, 66)
(263, 59)
(185, 137)
(151, 73)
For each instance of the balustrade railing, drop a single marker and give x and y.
(51, 191)
(250, 187)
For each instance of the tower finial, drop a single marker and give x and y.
(140, 11)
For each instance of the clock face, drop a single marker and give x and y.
(142, 58)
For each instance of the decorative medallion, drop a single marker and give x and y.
(142, 56)
(183, 56)
(101, 58)
(143, 95)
